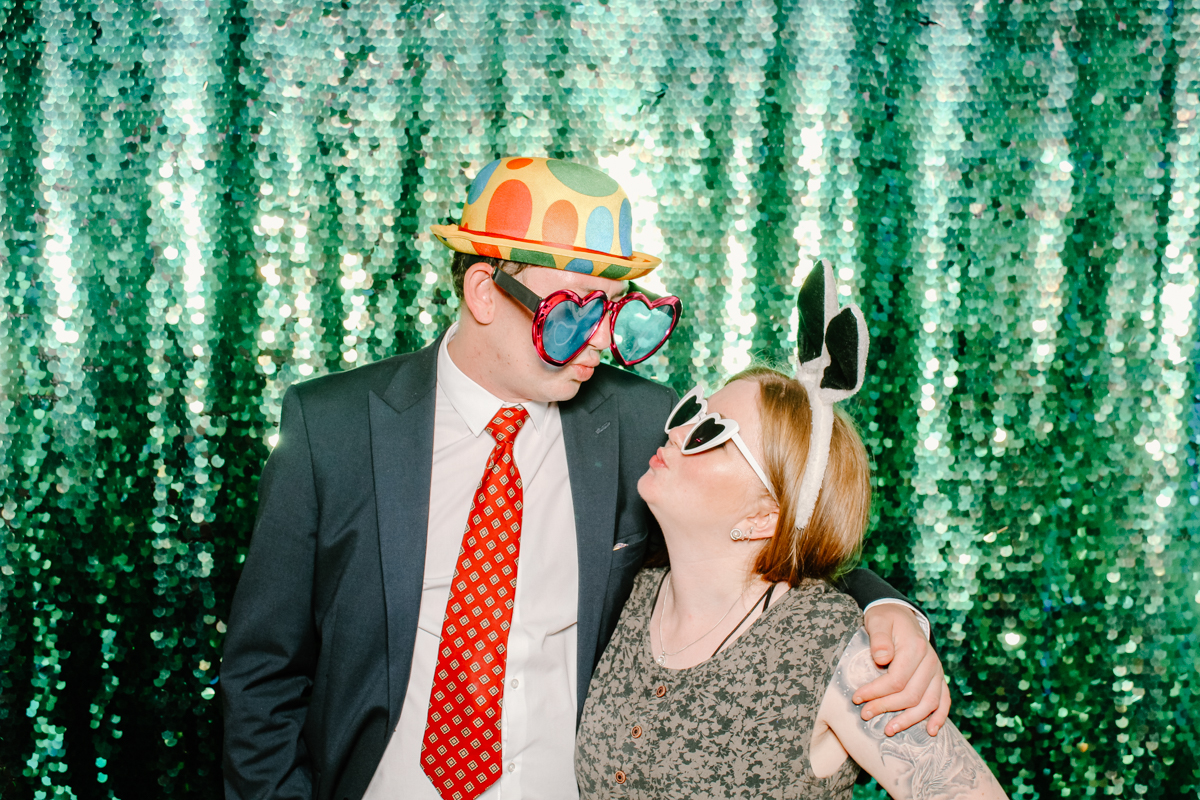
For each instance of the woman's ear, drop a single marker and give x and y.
(479, 292)
(763, 524)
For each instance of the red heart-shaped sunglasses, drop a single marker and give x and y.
(564, 323)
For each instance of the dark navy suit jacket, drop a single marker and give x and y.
(319, 646)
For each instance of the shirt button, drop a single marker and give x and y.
(512, 767)
(660, 691)
(515, 683)
(620, 776)
(636, 732)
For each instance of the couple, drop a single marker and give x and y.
(384, 643)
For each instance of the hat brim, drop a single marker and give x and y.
(546, 255)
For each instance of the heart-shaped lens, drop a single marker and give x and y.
(568, 327)
(704, 434)
(639, 329)
(688, 409)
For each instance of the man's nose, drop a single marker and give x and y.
(602, 338)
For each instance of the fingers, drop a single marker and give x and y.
(927, 705)
(901, 669)
(885, 686)
(904, 686)
(879, 626)
(938, 718)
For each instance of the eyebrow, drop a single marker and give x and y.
(630, 286)
(530, 299)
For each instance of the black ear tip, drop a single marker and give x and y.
(841, 339)
(818, 292)
(815, 279)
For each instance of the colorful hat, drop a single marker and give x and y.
(549, 213)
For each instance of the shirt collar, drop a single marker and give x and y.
(475, 404)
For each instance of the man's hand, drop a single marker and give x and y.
(914, 683)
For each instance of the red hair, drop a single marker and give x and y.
(831, 541)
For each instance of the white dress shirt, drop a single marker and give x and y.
(538, 719)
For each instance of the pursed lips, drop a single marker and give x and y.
(658, 454)
(586, 368)
(591, 363)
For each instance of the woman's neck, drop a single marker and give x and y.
(705, 597)
(708, 569)
(703, 589)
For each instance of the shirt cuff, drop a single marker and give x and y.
(922, 620)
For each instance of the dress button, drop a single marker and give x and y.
(660, 691)
(636, 732)
(620, 776)
(512, 766)
(515, 683)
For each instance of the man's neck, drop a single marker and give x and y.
(480, 365)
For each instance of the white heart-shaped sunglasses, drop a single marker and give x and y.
(709, 430)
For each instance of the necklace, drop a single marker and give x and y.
(663, 654)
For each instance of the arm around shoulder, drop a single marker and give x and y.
(866, 588)
(270, 649)
(910, 764)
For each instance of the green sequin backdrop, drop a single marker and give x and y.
(203, 201)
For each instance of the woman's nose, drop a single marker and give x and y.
(676, 435)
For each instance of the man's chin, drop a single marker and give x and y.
(564, 389)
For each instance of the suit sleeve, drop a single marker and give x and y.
(271, 644)
(866, 587)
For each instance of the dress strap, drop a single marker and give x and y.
(765, 596)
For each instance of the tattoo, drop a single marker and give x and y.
(936, 763)
(924, 767)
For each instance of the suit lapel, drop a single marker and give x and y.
(402, 462)
(591, 436)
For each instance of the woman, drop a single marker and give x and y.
(732, 674)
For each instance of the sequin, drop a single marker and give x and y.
(204, 202)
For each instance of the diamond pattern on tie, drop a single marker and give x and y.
(461, 752)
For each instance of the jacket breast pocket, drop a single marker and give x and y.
(629, 553)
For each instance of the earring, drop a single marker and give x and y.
(737, 535)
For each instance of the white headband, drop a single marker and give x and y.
(832, 350)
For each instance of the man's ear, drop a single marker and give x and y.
(480, 293)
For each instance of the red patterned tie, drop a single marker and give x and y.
(461, 751)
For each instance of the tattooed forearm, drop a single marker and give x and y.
(914, 764)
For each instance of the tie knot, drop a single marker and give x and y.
(507, 423)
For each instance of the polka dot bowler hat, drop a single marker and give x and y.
(549, 213)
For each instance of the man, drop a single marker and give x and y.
(378, 649)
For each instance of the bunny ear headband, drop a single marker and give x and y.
(832, 349)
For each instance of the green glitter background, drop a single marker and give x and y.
(203, 201)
